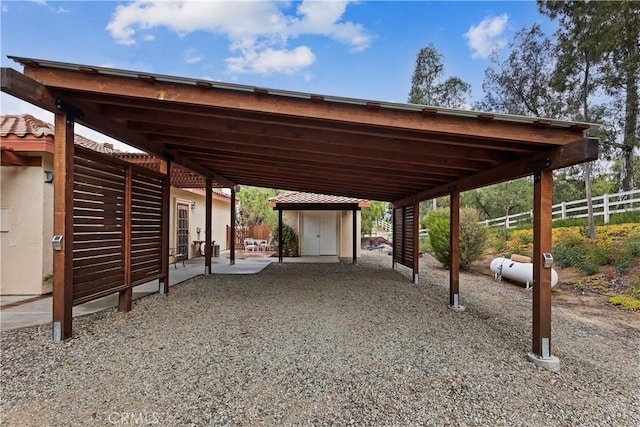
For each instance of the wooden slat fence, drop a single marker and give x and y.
(146, 226)
(403, 240)
(99, 190)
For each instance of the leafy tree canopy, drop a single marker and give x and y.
(429, 85)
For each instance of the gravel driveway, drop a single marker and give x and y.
(325, 344)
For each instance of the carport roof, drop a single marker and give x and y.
(237, 134)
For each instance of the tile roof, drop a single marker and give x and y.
(300, 197)
(26, 124)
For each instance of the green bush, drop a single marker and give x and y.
(289, 241)
(473, 236)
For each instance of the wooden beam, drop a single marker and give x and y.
(63, 227)
(568, 155)
(289, 106)
(278, 134)
(208, 224)
(542, 207)
(354, 226)
(213, 140)
(156, 111)
(454, 244)
(125, 297)
(17, 84)
(166, 211)
(26, 88)
(232, 243)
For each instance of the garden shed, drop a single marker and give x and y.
(234, 134)
(325, 224)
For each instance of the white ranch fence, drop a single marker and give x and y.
(605, 206)
(386, 226)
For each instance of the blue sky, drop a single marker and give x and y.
(364, 49)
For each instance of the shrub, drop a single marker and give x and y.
(289, 240)
(626, 302)
(473, 236)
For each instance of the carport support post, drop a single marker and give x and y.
(280, 236)
(166, 208)
(355, 235)
(416, 241)
(232, 243)
(542, 211)
(393, 238)
(454, 245)
(207, 229)
(124, 297)
(63, 226)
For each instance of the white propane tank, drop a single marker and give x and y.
(517, 271)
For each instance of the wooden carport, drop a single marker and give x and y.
(234, 134)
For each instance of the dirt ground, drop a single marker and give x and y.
(582, 303)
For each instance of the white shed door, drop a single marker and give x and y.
(319, 233)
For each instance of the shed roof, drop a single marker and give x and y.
(303, 200)
(238, 134)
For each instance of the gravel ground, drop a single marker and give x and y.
(325, 344)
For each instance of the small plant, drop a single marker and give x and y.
(48, 278)
(473, 236)
(626, 302)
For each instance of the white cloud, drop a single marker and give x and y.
(5, 8)
(259, 31)
(484, 38)
(192, 56)
(269, 61)
(62, 10)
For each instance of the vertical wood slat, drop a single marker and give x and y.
(232, 255)
(398, 233)
(405, 242)
(355, 236)
(542, 208)
(63, 160)
(125, 297)
(415, 233)
(280, 237)
(166, 209)
(454, 245)
(207, 219)
(146, 225)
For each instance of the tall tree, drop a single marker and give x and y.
(578, 55)
(254, 206)
(429, 86)
(609, 32)
(520, 83)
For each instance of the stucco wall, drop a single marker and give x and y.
(22, 247)
(220, 218)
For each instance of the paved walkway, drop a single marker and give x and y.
(26, 310)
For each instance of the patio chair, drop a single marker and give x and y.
(176, 257)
